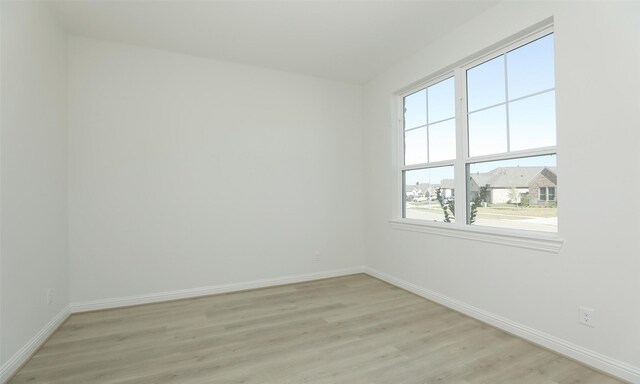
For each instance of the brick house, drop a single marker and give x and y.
(512, 184)
(543, 188)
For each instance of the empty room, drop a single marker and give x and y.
(322, 192)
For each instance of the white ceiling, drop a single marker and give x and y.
(343, 40)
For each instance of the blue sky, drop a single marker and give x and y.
(511, 107)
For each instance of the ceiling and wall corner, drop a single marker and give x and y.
(343, 40)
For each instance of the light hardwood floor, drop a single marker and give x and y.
(353, 329)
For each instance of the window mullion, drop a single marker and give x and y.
(506, 99)
(436, 164)
(398, 203)
(462, 144)
(426, 98)
(513, 155)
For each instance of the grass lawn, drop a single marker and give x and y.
(511, 210)
(507, 210)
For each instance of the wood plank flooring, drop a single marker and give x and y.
(353, 329)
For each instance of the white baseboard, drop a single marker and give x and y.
(594, 359)
(96, 305)
(24, 354)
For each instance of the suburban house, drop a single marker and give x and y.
(511, 184)
(420, 191)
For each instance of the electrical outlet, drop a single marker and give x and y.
(49, 295)
(587, 316)
(316, 257)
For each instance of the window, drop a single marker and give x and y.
(547, 194)
(488, 129)
(429, 151)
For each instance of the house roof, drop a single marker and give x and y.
(503, 177)
(424, 186)
(507, 177)
(447, 184)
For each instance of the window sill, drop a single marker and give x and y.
(514, 238)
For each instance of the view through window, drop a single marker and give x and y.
(503, 145)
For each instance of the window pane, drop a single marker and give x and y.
(513, 193)
(488, 131)
(530, 68)
(485, 84)
(415, 109)
(421, 194)
(442, 101)
(552, 193)
(532, 122)
(415, 146)
(442, 141)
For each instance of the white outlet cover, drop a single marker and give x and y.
(587, 316)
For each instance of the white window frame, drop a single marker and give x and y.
(547, 194)
(550, 242)
(546, 197)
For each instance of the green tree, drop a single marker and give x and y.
(474, 209)
(447, 207)
(482, 194)
(478, 199)
(514, 196)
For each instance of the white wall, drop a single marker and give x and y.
(33, 251)
(187, 172)
(598, 100)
